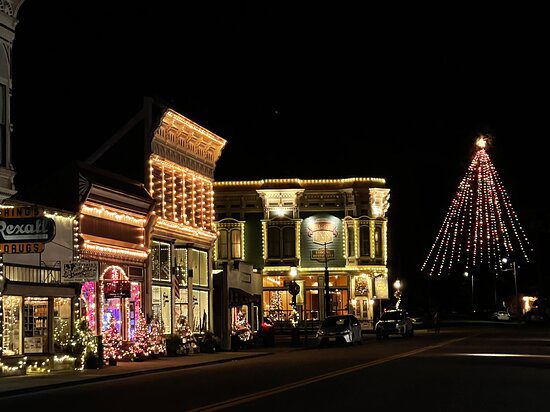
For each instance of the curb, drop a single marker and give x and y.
(95, 379)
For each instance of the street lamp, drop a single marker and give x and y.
(397, 285)
(466, 274)
(504, 262)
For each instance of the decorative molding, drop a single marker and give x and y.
(379, 202)
(184, 142)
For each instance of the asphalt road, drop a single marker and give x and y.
(463, 368)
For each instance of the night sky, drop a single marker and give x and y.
(311, 91)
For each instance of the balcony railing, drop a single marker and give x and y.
(32, 274)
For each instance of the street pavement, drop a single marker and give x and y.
(474, 368)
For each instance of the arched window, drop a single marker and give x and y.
(236, 244)
(364, 234)
(222, 245)
(289, 242)
(351, 241)
(274, 242)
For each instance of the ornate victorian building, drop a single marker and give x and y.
(8, 21)
(277, 224)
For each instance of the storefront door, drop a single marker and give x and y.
(362, 309)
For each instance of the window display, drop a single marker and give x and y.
(162, 306)
(11, 331)
(61, 323)
(200, 310)
(35, 318)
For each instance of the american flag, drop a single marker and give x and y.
(176, 282)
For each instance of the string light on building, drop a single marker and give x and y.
(481, 226)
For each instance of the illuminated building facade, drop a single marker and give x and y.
(102, 221)
(8, 22)
(276, 224)
(180, 180)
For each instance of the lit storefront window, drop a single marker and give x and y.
(200, 310)
(135, 308)
(162, 306)
(88, 299)
(61, 324)
(11, 331)
(35, 321)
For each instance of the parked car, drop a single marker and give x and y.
(394, 322)
(267, 332)
(342, 329)
(536, 315)
(418, 318)
(501, 315)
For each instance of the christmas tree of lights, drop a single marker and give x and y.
(189, 343)
(140, 347)
(112, 342)
(481, 226)
(241, 327)
(157, 343)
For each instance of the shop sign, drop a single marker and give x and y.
(322, 231)
(80, 271)
(319, 254)
(381, 287)
(115, 283)
(117, 289)
(25, 230)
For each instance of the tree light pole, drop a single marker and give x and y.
(518, 305)
(397, 285)
(466, 274)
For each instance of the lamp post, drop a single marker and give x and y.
(505, 261)
(466, 274)
(327, 287)
(397, 285)
(294, 289)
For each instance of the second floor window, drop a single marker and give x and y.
(160, 259)
(364, 235)
(378, 241)
(281, 242)
(230, 244)
(351, 241)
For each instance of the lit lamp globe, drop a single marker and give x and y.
(293, 272)
(397, 284)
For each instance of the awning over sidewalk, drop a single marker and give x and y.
(238, 297)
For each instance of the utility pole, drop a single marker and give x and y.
(327, 290)
(518, 302)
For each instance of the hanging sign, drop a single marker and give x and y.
(80, 271)
(25, 230)
(381, 287)
(115, 283)
(319, 255)
(322, 231)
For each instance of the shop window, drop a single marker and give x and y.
(273, 281)
(312, 304)
(162, 306)
(11, 331)
(338, 281)
(364, 234)
(223, 245)
(181, 265)
(88, 304)
(35, 318)
(160, 259)
(378, 241)
(277, 304)
(134, 308)
(200, 310)
(351, 241)
(198, 262)
(339, 302)
(61, 324)
(180, 306)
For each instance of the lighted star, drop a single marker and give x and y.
(481, 142)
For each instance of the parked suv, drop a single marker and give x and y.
(394, 322)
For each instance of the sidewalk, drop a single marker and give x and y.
(14, 385)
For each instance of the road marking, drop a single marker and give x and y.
(283, 388)
(496, 355)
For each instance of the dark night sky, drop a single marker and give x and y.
(314, 91)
